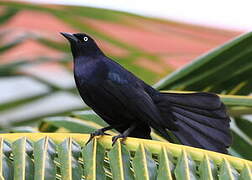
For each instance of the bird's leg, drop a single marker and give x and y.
(124, 134)
(99, 132)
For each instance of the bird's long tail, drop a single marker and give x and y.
(200, 118)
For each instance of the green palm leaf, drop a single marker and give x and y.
(65, 156)
(225, 69)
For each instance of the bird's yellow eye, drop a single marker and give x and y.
(85, 38)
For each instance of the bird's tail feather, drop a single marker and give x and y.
(196, 119)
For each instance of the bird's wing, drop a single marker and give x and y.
(133, 97)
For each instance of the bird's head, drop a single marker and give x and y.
(82, 44)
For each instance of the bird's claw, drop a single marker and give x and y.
(98, 132)
(115, 138)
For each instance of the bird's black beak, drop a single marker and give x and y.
(70, 37)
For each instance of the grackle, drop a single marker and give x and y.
(132, 107)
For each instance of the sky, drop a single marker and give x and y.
(227, 14)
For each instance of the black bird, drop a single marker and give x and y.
(131, 106)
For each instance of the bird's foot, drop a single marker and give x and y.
(115, 138)
(99, 132)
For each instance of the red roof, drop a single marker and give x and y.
(155, 45)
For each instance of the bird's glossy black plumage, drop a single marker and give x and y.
(131, 106)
